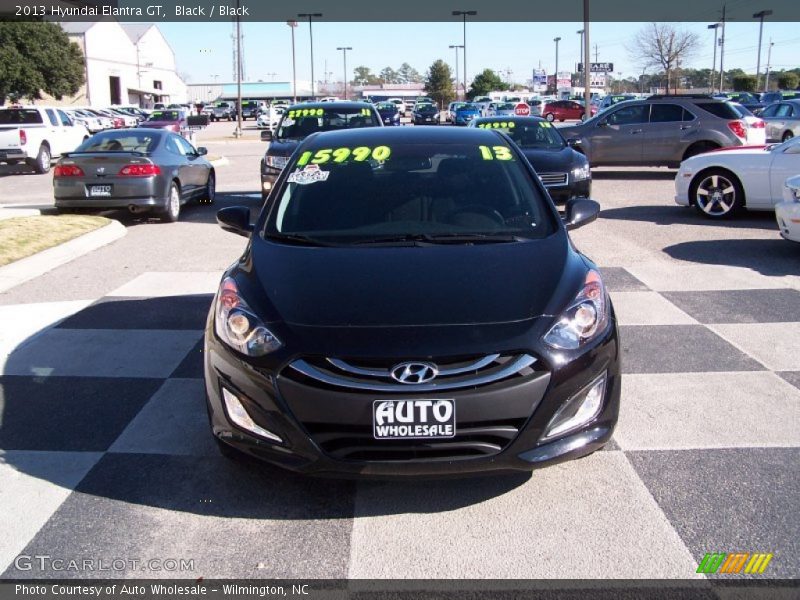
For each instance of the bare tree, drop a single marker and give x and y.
(662, 45)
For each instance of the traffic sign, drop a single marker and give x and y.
(597, 67)
(522, 110)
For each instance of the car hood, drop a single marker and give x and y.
(412, 286)
(282, 147)
(551, 161)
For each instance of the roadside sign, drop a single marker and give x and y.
(597, 67)
(522, 110)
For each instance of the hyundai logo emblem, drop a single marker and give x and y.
(414, 372)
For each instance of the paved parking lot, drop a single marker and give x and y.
(105, 453)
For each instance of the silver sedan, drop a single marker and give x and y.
(782, 120)
(143, 170)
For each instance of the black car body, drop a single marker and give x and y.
(250, 109)
(416, 308)
(301, 120)
(425, 114)
(563, 169)
(390, 115)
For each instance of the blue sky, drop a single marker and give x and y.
(204, 49)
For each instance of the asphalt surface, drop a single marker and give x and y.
(104, 449)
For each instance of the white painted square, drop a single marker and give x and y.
(775, 345)
(101, 353)
(672, 411)
(180, 283)
(590, 518)
(675, 277)
(647, 308)
(32, 486)
(173, 422)
(22, 322)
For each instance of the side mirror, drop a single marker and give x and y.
(602, 123)
(266, 135)
(235, 219)
(574, 143)
(580, 212)
(202, 151)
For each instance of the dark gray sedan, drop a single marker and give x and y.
(143, 170)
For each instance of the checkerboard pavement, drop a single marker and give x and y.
(105, 451)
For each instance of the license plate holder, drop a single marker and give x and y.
(414, 419)
(99, 191)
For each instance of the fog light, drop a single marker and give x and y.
(238, 414)
(267, 185)
(579, 410)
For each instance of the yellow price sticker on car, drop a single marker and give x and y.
(546, 124)
(340, 155)
(498, 125)
(366, 112)
(496, 152)
(306, 112)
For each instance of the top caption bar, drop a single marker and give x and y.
(406, 11)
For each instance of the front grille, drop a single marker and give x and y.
(357, 443)
(375, 375)
(553, 178)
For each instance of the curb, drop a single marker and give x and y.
(220, 162)
(30, 267)
(12, 212)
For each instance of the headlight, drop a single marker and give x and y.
(238, 327)
(581, 173)
(276, 162)
(584, 319)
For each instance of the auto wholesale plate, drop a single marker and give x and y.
(413, 419)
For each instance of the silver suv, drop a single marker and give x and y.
(663, 130)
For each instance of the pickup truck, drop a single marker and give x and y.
(220, 110)
(36, 135)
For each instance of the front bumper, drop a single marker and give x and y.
(787, 214)
(269, 175)
(575, 189)
(327, 430)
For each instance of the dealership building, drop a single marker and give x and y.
(125, 64)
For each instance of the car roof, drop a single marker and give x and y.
(514, 118)
(375, 136)
(339, 104)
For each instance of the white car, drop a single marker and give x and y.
(722, 182)
(269, 118)
(787, 213)
(401, 105)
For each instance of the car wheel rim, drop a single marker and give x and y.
(716, 195)
(45, 160)
(174, 201)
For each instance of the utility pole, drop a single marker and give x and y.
(311, 40)
(344, 50)
(456, 47)
(715, 27)
(596, 54)
(760, 15)
(722, 52)
(587, 92)
(292, 25)
(580, 59)
(555, 76)
(238, 131)
(465, 14)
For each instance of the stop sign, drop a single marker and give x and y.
(522, 110)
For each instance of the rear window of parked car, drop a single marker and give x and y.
(723, 110)
(20, 116)
(121, 141)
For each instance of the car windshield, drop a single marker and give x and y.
(164, 115)
(425, 106)
(386, 106)
(299, 123)
(533, 134)
(127, 140)
(408, 193)
(467, 107)
(505, 106)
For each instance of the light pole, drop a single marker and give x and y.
(580, 33)
(344, 50)
(292, 25)
(555, 77)
(715, 27)
(238, 132)
(311, 39)
(760, 15)
(456, 47)
(769, 64)
(722, 51)
(465, 14)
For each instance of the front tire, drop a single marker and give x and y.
(717, 194)
(172, 211)
(42, 162)
(787, 136)
(210, 193)
(583, 117)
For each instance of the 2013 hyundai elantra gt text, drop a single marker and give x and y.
(410, 304)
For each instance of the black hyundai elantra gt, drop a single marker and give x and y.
(410, 304)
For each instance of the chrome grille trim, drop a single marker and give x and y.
(553, 178)
(503, 371)
(443, 371)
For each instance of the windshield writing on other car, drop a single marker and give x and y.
(300, 123)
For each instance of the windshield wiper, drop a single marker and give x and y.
(299, 240)
(442, 238)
